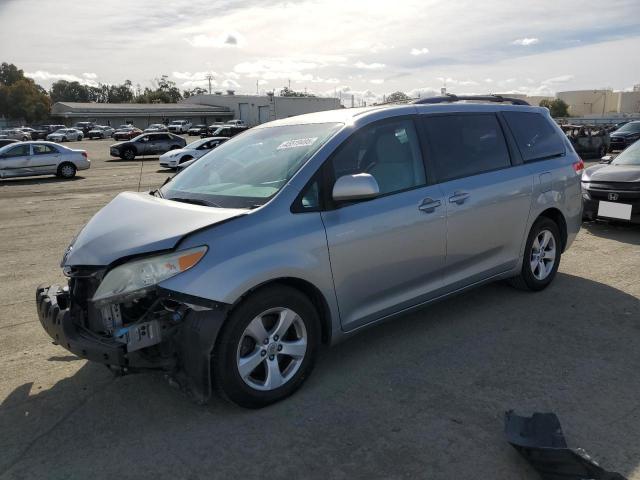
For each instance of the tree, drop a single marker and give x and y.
(194, 91)
(398, 97)
(557, 107)
(165, 92)
(288, 92)
(20, 97)
(64, 91)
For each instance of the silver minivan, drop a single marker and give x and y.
(304, 231)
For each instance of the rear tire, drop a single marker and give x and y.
(273, 338)
(66, 170)
(541, 256)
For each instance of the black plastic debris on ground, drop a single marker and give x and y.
(540, 440)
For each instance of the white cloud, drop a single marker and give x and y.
(369, 66)
(419, 51)
(43, 75)
(558, 79)
(525, 42)
(453, 81)
(488, 80)
(226, 39)
(377, 81)
(90, 76)
(195, 76)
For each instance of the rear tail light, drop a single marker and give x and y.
(578, 166)
(84, 154)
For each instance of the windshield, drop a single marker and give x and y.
(630, 156)
(251, 168)
(632, 127)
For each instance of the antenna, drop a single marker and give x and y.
(209, 77)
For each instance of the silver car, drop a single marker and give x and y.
(15, 134)
(26, 159)
(306, 230)
(65, 135)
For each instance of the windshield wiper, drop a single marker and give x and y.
(195, 201)
(156, 193)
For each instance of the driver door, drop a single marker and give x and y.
(15, 161)
(388, 253)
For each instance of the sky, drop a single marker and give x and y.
(364, 48)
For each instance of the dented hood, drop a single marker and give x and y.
(137, 223)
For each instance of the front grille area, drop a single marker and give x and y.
(616, 186)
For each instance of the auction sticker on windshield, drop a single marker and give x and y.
(300, 142)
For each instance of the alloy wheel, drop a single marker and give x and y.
(271, 349)
(543, 254)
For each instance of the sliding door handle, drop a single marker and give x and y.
(429, 205)
(458, 197)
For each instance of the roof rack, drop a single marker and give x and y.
(450, 98)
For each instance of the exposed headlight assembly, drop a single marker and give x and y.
(135, 278)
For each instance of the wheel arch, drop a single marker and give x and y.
(558, 218)
(310, 291)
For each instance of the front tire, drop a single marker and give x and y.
(267, 348)
(128, 154)
(541, 258)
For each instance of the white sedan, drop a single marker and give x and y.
(65, 135)
(26, 159)
(194, 150)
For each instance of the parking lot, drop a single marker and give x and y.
(422, 396)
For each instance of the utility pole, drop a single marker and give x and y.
(209, 77)
(257, 87)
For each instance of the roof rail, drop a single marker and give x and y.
(450, 98)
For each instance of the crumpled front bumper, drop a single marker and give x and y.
(54, 315)
(191, 345)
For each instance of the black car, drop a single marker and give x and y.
(223, 131)
(625, 136)
(7, 141)
(197, 130)
(152, 144)
(84, 127)
(612, 188)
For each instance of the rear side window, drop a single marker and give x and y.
(535, 136)
(465, 145)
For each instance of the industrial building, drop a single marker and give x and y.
(200, 109)
(139, 114)
(256, 109)
(601, 102)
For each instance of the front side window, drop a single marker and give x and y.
(465, 145)
(537, 139)
(388, 151)
(19, 151)
(631, 127)
(250, 169)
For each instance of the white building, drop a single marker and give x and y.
(585, 103)
(256, 109)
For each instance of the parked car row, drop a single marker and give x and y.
(190, 153)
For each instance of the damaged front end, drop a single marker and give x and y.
(149, 328)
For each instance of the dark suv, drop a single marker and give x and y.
(625, 136)
(147, 144)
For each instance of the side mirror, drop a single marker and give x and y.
(606, 159)
(355, 187)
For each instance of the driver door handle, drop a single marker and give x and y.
(429, 205)
(458, 197)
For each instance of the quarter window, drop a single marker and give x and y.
(465, 145)
(537, 139)
(388, 151)
(40, 149)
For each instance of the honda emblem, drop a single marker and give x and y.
(613, 197)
